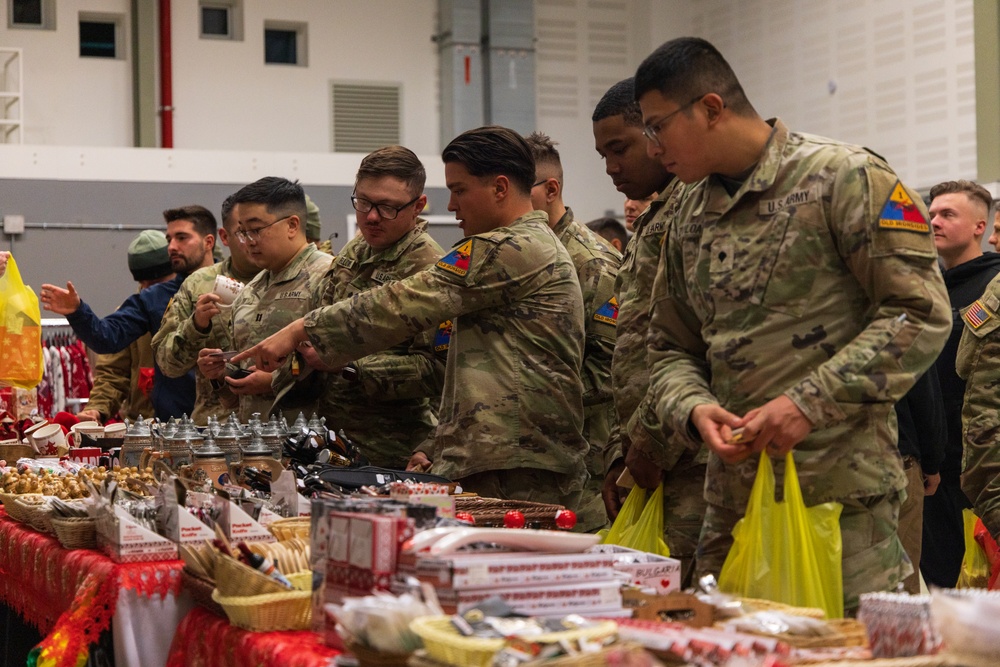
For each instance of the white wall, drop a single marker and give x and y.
(904, 71)
(69, 100)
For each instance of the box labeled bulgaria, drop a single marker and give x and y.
(589, 597)
(644, 570)
(124, 540)
(508, 570)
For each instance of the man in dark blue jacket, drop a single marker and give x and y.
(190, 242)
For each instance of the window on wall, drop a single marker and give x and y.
(221, 19)
(37, 14)
(100, 36)
(284, 43)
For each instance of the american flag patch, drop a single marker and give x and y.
(976, 315)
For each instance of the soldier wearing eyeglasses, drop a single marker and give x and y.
(386, 402)
(271, 216)
(798, 298)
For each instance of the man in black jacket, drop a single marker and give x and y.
(959, 210)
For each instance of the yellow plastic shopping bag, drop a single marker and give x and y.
(639, 525)
(975, 572)
(786, 552)
(20, 331)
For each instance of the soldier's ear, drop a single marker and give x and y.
(501, 187)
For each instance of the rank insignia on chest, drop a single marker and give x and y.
(899, 212)
(457, 261)
(608, 313)
(976, 316)
(443, 337)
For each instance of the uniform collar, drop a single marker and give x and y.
(655, 206)
(763, 176)
(565, 221)
(294, 267)
(365, 254)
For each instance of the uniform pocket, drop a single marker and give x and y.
(795, 254)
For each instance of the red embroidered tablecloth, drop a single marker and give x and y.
(71, 592)
(205, 640)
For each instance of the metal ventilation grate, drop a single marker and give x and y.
(365, 117)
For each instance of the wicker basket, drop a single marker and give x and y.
(846, 633)
(16, 512)
(755, 604)
(291, 610)
(36, 512)
(286, 529)
(76, 532)
(489, 512)
(11, 453)
(234, 579)
(443, 643)
(201, 591)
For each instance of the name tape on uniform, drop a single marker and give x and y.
(899, 212)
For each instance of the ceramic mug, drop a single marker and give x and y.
(227, 289)
(90, 428)
(49, 440)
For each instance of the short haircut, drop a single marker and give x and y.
(688, 67)
(609, 228)
(396, 161)
(543, 149)
(491, 151)
(229, 221)
(973, 191)
(620, 101)
(280, 196)
(201, 218)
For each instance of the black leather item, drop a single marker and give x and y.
(351, 479)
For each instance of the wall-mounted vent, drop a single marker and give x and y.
(365, 117)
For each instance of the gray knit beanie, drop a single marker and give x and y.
(148, 258)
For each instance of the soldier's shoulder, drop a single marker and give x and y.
(204, 276)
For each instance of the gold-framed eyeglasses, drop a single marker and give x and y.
(652, 131)
(385, 211)
(253, 235)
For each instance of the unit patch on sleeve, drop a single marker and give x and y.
(899, 212)
(443, 337)
(608, 313)
(976, 315)
(457, 261)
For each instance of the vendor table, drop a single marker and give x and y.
(203, 639)
(72, 596)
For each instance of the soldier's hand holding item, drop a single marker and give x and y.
(205, 308)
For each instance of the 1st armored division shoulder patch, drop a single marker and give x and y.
(899, 212)
(608, 313)
(457, 261)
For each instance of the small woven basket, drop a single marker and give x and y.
(489, 512)
(234, 579)
(14, 511)
(76, 532)
(35, 512)
(287, 529)
(291, 610)
(201, 591)
(443, 643)
(11, 453)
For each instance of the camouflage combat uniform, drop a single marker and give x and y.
(512, 399)
(117, 387)
(978, 363)
(390, 407)
(267, 304)
(596, 265)
(178, 341)
(816, 279)
(684, 469)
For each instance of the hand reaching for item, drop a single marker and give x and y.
(59, 300)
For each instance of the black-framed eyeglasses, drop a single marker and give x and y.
(535, 185)
(652, 131)
(253, 235)
(385, 211)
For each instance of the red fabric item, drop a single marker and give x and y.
(205, 640)
(66, 420)
(41, 580)
(145, 383)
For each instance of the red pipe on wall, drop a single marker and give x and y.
(166, 79)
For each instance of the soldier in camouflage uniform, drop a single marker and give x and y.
(798, 299)
(186, 328)
(596, 265)
(512, 408)
(652, 459)
(978, 363)
(271, 212)
(386, 402)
